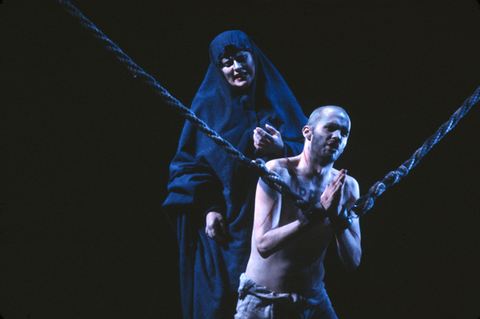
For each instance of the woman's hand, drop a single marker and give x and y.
(215, 227)
(270, 143)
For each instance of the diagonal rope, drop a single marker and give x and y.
(365, 203)
(149, 80)
(362, 205)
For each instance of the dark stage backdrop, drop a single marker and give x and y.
(85, 147)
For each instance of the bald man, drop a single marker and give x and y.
(284, 274)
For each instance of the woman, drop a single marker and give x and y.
(210, 200)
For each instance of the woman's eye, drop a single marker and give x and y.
(226, 63)
(241, 58)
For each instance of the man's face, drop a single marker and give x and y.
(330, 135)
(239, 69)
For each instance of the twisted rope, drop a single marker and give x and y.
(272, 179)
(365, 203)
(150, 81)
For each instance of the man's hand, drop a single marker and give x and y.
(268, 143)
(332, 195)
(216, 227)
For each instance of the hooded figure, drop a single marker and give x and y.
(204, 178)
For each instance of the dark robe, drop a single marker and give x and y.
(203, 177)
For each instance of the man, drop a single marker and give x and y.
(284, 275)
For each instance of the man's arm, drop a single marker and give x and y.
(349, 240)
(269, 237)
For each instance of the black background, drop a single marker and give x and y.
(85, 147)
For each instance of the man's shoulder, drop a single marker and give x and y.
(276, 164)
(282, 164)
(351, 180)
(353, 185)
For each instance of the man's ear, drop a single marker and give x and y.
(307, 132)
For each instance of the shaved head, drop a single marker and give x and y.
(318, 113)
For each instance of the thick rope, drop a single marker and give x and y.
(365, 203)
(362, 205)
(151, 82)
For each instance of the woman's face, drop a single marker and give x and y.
(239, 69)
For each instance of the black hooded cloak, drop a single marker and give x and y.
(203, 177)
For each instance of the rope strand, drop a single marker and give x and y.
(365, 203)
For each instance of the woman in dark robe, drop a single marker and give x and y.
(211, 196)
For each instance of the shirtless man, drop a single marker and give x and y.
(284, 275)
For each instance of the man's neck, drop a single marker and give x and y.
(311, 167)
